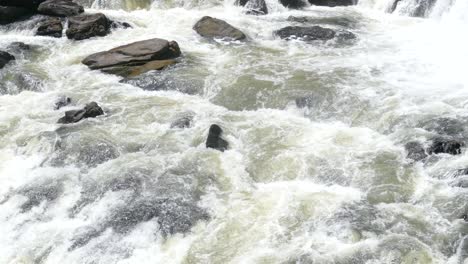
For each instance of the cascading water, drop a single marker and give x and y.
(316, 171)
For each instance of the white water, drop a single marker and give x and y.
(329, 184)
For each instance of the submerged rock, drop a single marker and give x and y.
(10, 14)
(312, 33)
(135, 58)
(337, 20)
(445, 145)
(18, 47)
(415, 151)
(117, 24)
(62, 8)
(62, 101)
(51, 27)
(183, 122)
(256, 7)
(5, 58)
(294, 4)
(213, 28)
(90, 110)
(214, 139)
(332, 3)
(86, 26)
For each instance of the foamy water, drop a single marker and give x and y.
(325, 184)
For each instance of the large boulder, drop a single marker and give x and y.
(29, 4)
(312, 33)
(5, 58)
(10, 14)
(214, 139)
(135, 58)
(90, 110)
(61, 8)
(86, 26)
(214, 28)
(256, 7)
(51, 27)
(332, 3)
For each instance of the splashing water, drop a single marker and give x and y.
(316, 171)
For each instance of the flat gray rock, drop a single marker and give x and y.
(61, 8)
(210, 27)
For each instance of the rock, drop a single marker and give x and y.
(332, 3)
(90, 110)
(336, 20)
(10, 14)
(18, 47)
(256, 7)
(294, 4)
(415, 151)
(86, 26)
(116, 24)
(214, 139)
(5, 58)
(183, 122)
(61, 8)
(62, 101)
(135, 58)
(306, 33)
(214, 28)
(445, 145)
(51, 27)
(312, 33)
(29, 4)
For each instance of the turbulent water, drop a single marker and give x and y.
(316, 171)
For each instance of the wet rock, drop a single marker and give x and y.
(445, 145)
(86, 26)
(214, 139)
(135, 58)
(18, 47)
(52, 27)
(61, 8)
(294, 4)
(332, 3)
(29, 4)
(415, 151)
(214, 28)
(117, 24)
(337, 21)
(5, 58)
(312, 33)
(183, 122)
(10, 14)
(62, 101)
(90, 110)
(256, 7)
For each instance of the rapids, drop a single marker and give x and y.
(316, 171)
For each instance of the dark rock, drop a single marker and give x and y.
(62, 101)
(445, 145)
(256, 7)
(306, 33)
(183, 122)
(116, 24)
(5, 58)
(214, 28)
(415, 151)
(337, 21)
(18, 48)
(90, 110)
(61, 8)
(51, 27)
(214, 139)
(294, 4)
(303, 102)
(10, 14)
(135, 58)
(86, 26)
(332, 3)
(29, 4)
